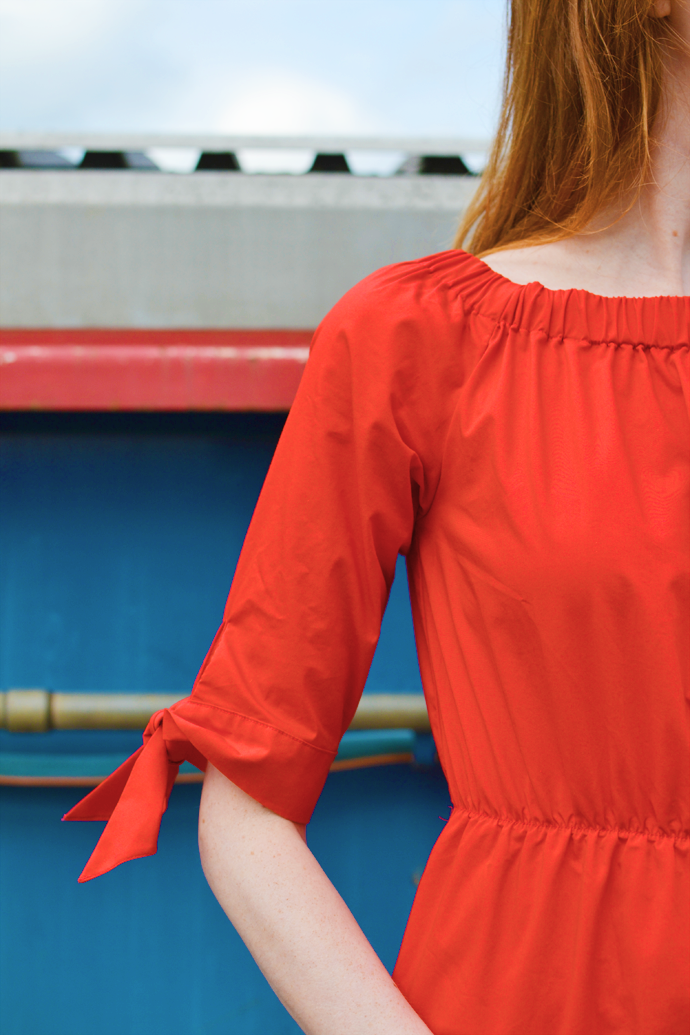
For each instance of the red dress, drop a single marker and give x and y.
(528, 451)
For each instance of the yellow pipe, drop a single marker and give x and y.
(25, 711)
(391, 711)
(35, 711)
(106, 711)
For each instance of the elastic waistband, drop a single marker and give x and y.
(575, 827)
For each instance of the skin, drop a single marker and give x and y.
(646, 252)
(294, 922)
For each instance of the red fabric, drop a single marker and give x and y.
(529, 451)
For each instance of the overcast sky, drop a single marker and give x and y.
(251, 66)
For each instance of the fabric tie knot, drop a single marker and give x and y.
(134, 797)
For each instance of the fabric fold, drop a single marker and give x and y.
(132, 800)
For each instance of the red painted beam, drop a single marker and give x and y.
(98, 369)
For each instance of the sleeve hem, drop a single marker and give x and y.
(277, 769)
(196, 699)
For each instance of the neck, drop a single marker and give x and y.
(653, 237)
(644, 251)
(664, 209)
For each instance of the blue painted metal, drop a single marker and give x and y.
(119, 534)
(118, 539)
(15, 760)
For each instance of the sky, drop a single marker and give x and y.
(398, 67)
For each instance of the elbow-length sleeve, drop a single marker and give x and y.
(285, 672)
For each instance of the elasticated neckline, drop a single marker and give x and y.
(660, 321)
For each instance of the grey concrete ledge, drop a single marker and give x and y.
(235, 190)
(236, 141)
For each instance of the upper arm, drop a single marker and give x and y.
(352, 468)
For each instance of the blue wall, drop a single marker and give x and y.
(118, 538)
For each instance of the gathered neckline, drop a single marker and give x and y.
(647, 321)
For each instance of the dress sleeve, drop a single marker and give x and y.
(285, 672)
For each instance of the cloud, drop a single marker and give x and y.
(32, 31)
(251, 66)
(280, 101)
(67, 64)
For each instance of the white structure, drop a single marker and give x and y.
(126, 248)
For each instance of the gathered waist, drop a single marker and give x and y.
(575, 826)
(525, 925)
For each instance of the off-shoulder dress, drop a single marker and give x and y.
(528, 451)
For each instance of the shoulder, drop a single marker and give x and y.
(557, 266)
(401, 339)
(406, 313)
(425, 288)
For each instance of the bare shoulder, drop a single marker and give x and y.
(607, 263)
(557, 266)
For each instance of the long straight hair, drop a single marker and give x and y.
(581, 91)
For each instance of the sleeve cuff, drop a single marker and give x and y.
(280, 771)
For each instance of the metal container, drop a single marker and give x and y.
(153, 329)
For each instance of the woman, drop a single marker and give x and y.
(517, 425)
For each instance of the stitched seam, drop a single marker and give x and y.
(474, 308)
(571, 827)
(259, 722)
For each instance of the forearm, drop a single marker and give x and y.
(293, 921)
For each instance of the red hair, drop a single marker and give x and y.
(581, 91)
